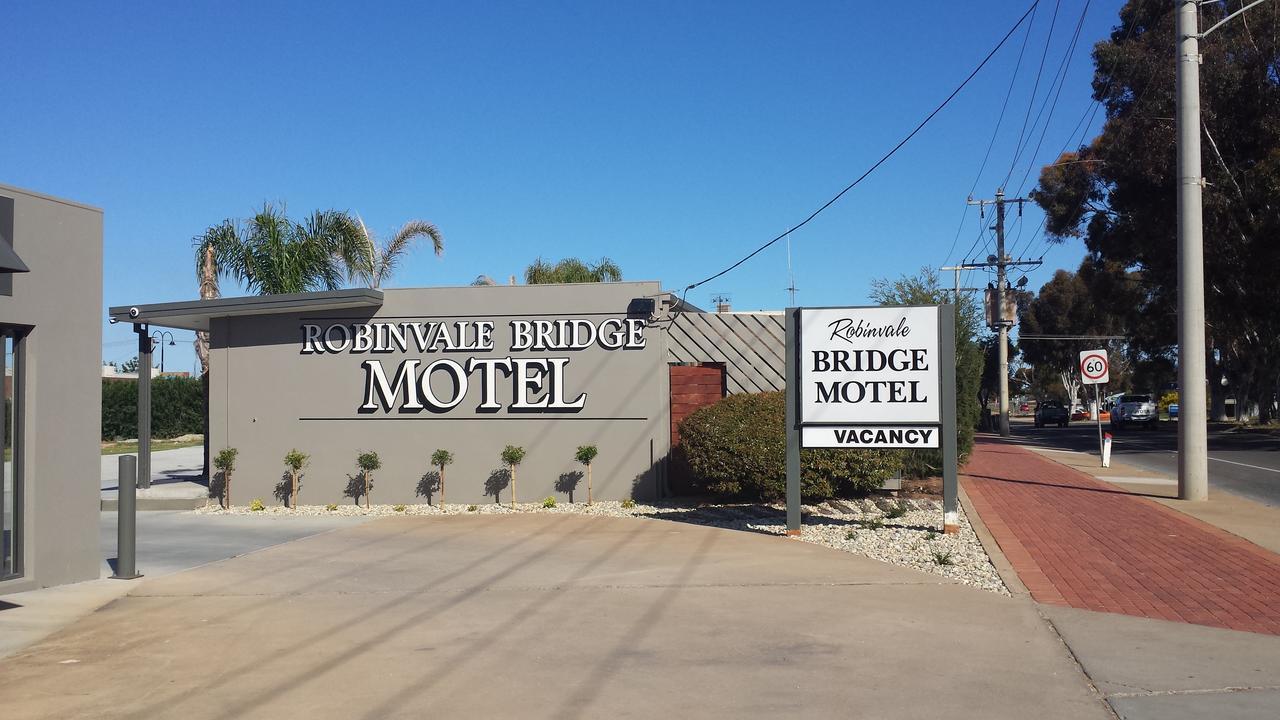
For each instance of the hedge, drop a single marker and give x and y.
(177, 408)
(738, 447)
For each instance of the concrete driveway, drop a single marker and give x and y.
(550, 616)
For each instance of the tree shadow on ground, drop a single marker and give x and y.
(568, 482)
(498, 481)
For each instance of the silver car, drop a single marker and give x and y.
(1135, 409)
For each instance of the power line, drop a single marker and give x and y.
(1061, 82)
(1017, 146)
(1008, 93)
(1082, 127)
(879, 162)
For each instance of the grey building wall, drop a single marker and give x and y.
(60, 423)
(267, 397)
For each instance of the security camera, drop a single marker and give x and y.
(134, 312)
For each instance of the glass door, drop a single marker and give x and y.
(11, 494)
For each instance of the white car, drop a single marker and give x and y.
(1135, 409)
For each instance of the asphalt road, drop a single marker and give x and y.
(1245, 463)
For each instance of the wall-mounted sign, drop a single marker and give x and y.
(434, 378)
(869, 366)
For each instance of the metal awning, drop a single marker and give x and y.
(9, 260)
(196, 314)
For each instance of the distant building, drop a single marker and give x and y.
(111, 372)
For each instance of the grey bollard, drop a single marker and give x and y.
(126, 519)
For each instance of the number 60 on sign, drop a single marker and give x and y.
(1094, 368)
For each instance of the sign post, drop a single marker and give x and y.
(1095, 370)
(871, 378)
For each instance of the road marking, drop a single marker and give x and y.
(1255, 467)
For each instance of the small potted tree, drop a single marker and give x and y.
(439, 459)
(585, 454)
(367, 462)
(295, 461)
(511, 457)
(225, 462)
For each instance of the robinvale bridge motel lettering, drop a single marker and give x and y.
(538, 383)
(863, 369)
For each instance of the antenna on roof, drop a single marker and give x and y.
(791, 276)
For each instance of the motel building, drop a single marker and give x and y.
(51, 332)
(471, 370)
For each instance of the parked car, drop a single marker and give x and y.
(1135, 409)
(1052, 412)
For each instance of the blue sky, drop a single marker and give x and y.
(671, 137)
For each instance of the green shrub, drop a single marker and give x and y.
(398, 508)
(628, 503)
(177, 407)
(942, 558)
(548, 502)
(738, 447)
(471, 508)
(873, 524)
(895, 512)
(256, 505)
(850, 534)
(331, 507)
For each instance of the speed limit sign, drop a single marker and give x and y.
(1094, 368)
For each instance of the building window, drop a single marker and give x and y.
(11, 460)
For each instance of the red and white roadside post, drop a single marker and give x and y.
(1095, 370)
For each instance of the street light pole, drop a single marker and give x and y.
(1193, 445)
(157, 338)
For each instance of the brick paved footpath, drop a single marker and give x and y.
(1080, 542)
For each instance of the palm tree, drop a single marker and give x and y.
(572, 270)
(273, 255)
(210, 247)
(385, 256)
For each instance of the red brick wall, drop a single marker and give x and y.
(693, 387)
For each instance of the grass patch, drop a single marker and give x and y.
(131, 447)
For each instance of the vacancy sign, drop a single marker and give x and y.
(1094, 368)
(862, 370)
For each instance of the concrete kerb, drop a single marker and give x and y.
(1003, 567)
(1020, 593)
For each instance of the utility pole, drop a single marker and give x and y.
(1193, 442)
(1002, 263)
(957, 269)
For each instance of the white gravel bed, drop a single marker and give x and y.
(913, 539)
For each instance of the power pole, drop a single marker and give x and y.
(1193, 444)
(1002, 262)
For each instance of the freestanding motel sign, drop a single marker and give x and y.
(871, 378)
